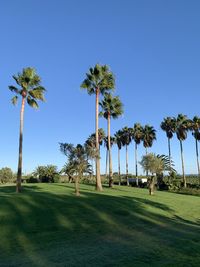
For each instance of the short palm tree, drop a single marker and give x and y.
(181, 127)
(126, 140)
(111, 108)
(98, 81)
(195, 123)
(118, 141)
(137, 136)
(30, 90)
(168, 125)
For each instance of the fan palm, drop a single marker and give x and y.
(30, 90)
(168, 125)
(182, 125)
(195, 127)
(111, 108)
(118, 141)
(137, 136)
(98, 81)
(126, 140)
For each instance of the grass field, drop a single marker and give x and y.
(48, 226)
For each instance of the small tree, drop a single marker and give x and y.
(156, 165)
(77, 162)
(6, 175)
(46, 173)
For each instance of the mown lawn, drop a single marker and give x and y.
(47, 225)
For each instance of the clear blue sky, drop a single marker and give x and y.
(152, 47)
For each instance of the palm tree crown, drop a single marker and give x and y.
(168, 125)
(111, 106)
(30, 87)
(137, 133)
(182, 126)
(149, 135)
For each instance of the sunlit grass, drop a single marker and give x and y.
(47, 225)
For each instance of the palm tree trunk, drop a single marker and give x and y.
(106, 172)
(77, 185)
(19, 171)
(169, 148)
(98, 176)
(182, 160)
(136, 166)
(147, 173)
(119, 172)
(197, 154)
(110, 155)
(127, 165)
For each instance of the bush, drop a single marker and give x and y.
(6, 175)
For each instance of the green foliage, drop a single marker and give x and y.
(29, 87)
(6, 175)
(111, 106)
(149, 135)
(168, 125)
(47, 173)
(99, 77)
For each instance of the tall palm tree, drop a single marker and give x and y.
(137, 136)
(181, 127)
(196, 133)
(111, 108)
(118, 140)
(168, 125)
(149, 135)
(126, 140)
(30, 90)
(98, 81)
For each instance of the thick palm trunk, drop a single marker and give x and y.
(110, 155)
(98, 176)
(77, 192)
(182, 160)
(169, 149)
(19, 171)
(136, 165)
(127, 165)
(197, 154)
(119, 172)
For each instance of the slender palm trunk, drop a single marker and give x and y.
(119, 172)
(98, 176)
(127, 165)
(136, 165)
(147, 173)
(110, 154)
(106, 172)
(182, 160)
(19, 171)
(197, 154)
(169, 148)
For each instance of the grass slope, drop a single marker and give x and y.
(48, 226)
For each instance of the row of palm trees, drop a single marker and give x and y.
(180, 126)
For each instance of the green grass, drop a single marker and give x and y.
(47, 225)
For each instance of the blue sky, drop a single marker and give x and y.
(152, 47)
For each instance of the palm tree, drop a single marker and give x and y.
(98, 81)
(182, 125)
(168, 125)
(126, 139)
(149, 135)
(30, 90)
(77, 163)
(195, 123)
(111, 108)
(112, 141)
(118, 140)
(137, 136)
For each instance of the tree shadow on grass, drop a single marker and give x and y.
(40, 228)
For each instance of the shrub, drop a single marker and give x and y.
(6, 175)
